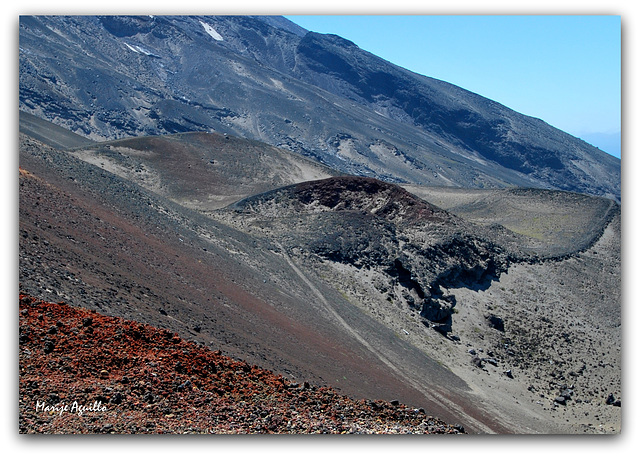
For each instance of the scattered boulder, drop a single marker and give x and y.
(496, 322)
(185, 385)
(48, 347)
(116, 398)
(560, 400)
(611, 400)
(24, 335)
(567, 393)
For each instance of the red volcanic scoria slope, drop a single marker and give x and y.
(83, 372)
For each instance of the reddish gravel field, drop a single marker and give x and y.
(85, 373)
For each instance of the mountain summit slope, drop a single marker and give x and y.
(318, 95)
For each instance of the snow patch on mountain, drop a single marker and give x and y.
(211, 31)
(139, 49)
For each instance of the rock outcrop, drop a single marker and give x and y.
(417, 248)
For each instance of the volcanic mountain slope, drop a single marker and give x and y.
(539, 310)
(83, 372)
(50, 133)
(202, 171)
(94, 240)
(340, 281)
(318, 95)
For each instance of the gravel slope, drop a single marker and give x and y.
(82, 372)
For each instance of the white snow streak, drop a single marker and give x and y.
(139, 49)
(211, 31)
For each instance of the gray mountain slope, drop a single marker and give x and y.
(318, 95)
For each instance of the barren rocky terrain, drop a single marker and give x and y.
(82, 372)
(320, 225)
(321, 96)
(480, 317)
(533, 321)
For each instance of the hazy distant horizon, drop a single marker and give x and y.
(611, 143)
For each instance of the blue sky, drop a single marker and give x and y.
(563, 69)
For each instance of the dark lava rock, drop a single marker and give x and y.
(567, 393)
(459, 427)
(443, 328)
(496, 323)
(611, 400)
(184, 385)
(24, 335)
(48, 347)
